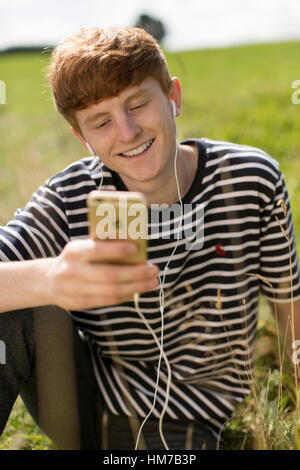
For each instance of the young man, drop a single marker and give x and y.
(115, 90)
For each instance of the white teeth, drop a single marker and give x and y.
(138, 150)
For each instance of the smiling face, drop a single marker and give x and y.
(134, 133)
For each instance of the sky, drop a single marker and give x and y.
(190, 24)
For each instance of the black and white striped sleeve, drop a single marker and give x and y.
(278, 254)
(39, 230)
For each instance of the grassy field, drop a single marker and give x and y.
(240, 94)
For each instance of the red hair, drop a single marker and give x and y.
(97, 64)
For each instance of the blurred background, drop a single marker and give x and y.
(238, 62)
(189, 24)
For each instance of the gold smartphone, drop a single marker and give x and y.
(120, 215)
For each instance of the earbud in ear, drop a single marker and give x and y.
(90, 149)
(174, 107)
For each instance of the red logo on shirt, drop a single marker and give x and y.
(220, 249)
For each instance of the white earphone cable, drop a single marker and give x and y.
(161, 301)
(160, 345)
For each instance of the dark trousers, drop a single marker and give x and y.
(49, 364)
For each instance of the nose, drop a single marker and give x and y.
(127, 128)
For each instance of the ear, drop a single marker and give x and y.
(175, 94)
(79, 136)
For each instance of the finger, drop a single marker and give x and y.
(109, 273)
(99, 250)
(118, 291)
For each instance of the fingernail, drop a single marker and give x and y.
(151, 268)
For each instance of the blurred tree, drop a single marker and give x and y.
(18, 49)
(153, 26)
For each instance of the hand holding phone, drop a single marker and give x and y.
(100, 270)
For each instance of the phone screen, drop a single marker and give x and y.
(120, 215)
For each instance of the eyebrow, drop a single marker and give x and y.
(90, 119)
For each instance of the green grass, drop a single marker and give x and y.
(241, 94)
(22, 433)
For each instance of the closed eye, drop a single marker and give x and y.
(138, 106)
(102, 124)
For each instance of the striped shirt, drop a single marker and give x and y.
(211, 293)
